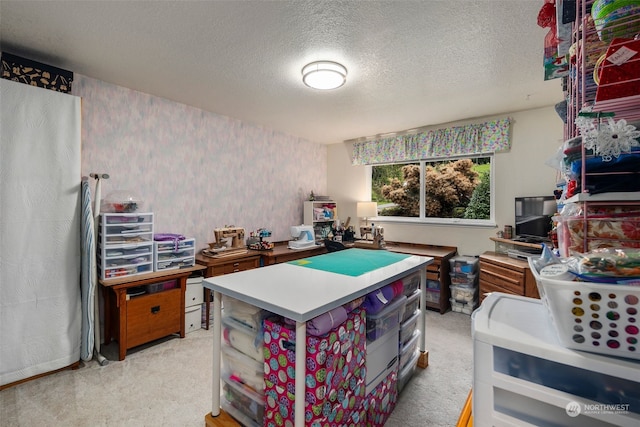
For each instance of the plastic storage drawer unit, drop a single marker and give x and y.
(408, 327)
(408, 371)
(413, 303)
(410, 283)
(523, 375)
(379, 324)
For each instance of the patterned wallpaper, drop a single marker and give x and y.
(193, 169)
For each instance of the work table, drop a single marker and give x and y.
(301, 293)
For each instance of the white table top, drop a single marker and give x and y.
(302, 293)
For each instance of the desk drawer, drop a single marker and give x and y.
(153, 316)
(236, 266)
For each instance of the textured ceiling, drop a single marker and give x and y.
(410, 63)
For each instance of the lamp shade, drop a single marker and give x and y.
(367, 209)
(324, 75)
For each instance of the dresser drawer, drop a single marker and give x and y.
(193, 294)
(498, 279)
(153, 316)
(486, 288)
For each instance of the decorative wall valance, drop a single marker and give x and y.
(483, 138)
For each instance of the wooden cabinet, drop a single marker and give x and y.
(153, 316)
(135, 318)
(224, 265)
(437, 271)
(501, 273)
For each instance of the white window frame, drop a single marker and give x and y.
(447, 222)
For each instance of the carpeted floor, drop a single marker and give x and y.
(169, 384)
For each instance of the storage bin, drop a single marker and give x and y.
(408, 327)
(380, 323)
(413, 303)
(125, 244)
(170, 255)
(242, 338)
(595, 317)
(161, 286)
(408, 349)
(244, 313)
(463, 264)
(408, 371)
(464, 279)
(192, 319)
(238, 415)
(461, 307)
(463, 294)
(410, 283)
(432, 295)
(239, 367)
(433, 284)
(244, 399)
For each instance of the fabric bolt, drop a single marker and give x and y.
(323, 323)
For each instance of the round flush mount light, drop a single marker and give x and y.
(324, 75)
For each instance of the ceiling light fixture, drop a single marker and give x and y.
(324, 75)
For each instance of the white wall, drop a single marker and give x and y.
(536, 136)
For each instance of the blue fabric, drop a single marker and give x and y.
(88, 285)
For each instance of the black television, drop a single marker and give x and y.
(533, 218)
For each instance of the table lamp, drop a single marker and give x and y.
(367, 210)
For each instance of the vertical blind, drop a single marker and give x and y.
(484, 138)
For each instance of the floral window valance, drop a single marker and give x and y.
(483, 138)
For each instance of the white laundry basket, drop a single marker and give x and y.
(594, 317)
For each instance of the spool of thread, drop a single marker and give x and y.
(556, 272)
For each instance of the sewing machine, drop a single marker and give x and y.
(304, 237)
(222, 246)
(378, 238)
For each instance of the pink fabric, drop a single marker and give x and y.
(382, 400)
(335, 373)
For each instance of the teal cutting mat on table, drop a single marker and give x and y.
(351, 262)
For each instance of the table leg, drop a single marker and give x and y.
(301, 371)
(423, 361)
(207, 307)
(217, 343)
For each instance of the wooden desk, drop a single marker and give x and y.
(224, 265)
(135, 320)
(281, 253)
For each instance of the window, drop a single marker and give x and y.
(444, 190)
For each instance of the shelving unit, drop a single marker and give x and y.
(125, 244)
(581, 92)
(320, 214)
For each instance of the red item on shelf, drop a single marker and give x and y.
(619, 73)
